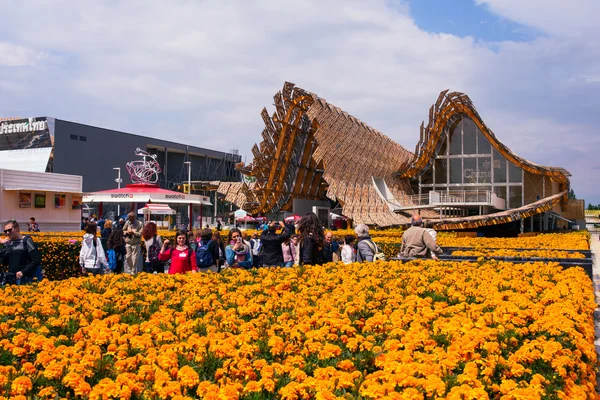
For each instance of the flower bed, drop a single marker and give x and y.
(518, 253)
(60, 250)
(425, 329)
(556, 241)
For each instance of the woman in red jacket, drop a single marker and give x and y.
(182, 257)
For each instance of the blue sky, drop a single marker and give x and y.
(465, 18)
(201, 72)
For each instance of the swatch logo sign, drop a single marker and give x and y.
(175, 196)
(121, 196)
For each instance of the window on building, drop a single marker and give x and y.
(515, 174)
(73, 137)
(473, 165)
(515, 196)
(441, 167)
(499, 168)
(470, 170)
(456, 139)
(483, 145)
(456, 170)
(484, 170)
(469, 136)
(500, 191)
(83, 138)
(444, 144)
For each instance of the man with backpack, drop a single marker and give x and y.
(20, 254)
(366, 249)
(207, 252)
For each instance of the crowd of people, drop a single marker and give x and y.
(115, 247)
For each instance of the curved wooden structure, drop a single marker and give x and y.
(452, 106)
(314, 150)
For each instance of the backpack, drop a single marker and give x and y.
(153, 251)
(29, 244)
(111, 256)
(377, 254)
(203, 257)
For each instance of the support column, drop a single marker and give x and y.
(192, 216)
(522, 225)
(531, 223)
(544, 222)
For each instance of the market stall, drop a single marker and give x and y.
(146, 193)
(54, 200)
(157, 209)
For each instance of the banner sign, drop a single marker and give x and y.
(25, 200)
(60, 200)
(40, 200)
(19, 126)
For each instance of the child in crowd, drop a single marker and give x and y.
(348, 250)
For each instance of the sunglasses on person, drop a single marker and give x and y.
(7, 231)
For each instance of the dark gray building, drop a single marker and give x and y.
(47, 144)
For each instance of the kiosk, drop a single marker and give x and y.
(54, 200)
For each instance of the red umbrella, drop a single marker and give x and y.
(293, 218)
(261, 219)
(247, 218)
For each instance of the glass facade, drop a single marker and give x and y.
(469, 162)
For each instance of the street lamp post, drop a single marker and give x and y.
(189, 164)
(118, 180)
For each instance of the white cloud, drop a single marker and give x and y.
(200, 72)
(12, 55)
(557, 17)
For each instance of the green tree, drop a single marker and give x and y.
(572, 194)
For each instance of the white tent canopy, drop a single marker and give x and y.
(124, 197)
(240, 214)
(157, 209)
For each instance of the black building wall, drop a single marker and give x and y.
(93, 153)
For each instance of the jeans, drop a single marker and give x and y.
(148, 267)
(288, 264)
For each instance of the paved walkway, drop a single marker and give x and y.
(595, 248)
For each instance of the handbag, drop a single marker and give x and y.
(377, 255)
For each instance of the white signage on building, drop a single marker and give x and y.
(22, 127)
(469, 173)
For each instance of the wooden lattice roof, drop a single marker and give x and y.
(312, 149)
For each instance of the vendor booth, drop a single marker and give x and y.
(54, 200)
(146, 193)
(151, 210)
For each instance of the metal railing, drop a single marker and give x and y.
(454, 197)
(466, 196)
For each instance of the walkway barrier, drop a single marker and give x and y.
(585, 263)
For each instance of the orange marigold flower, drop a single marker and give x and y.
(21, 386)
(188, 377)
